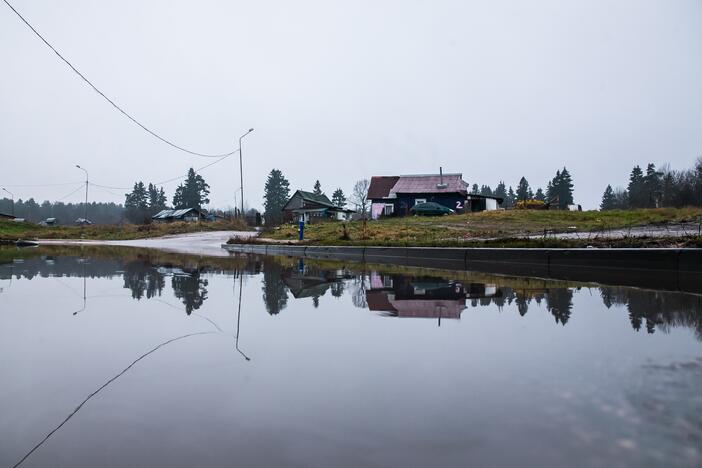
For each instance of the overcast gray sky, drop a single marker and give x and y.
(339, 91)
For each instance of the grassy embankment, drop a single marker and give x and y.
(11, 231)
(499, 229)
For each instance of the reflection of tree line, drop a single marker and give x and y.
(649, 310)
(142, 278)
(147, 280)
(653, 310)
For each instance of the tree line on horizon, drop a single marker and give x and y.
(65, 213)
(559, 191)
(665, 188)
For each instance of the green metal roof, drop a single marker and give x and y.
(320, 199)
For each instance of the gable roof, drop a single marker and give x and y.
(319, 199)
(430, 183)
(380, 186)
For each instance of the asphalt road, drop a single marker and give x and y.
(195, 243)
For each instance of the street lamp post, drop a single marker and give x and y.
(13, 200)
(241, 171)
(85, 216)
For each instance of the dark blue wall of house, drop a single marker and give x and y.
(405, 201)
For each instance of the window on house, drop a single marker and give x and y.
(417, 201)
(389, 209)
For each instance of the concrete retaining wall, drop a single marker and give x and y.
(517, 261)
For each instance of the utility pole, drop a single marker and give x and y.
(13, 200)
(241, 171)
(85, 217)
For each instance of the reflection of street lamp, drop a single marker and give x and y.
(238, 318)
(13, 200)
(85, 217)
(85, 297)
(241, 171)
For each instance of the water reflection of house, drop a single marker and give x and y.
(401, 296)
(310, 283)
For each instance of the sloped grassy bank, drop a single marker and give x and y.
(512, 228)
(11, 231)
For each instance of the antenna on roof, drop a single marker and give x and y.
(441, 184)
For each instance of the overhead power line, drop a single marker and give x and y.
(162, 182)
(107, 188)
(122, 111)
(41, 185)
(80, 187)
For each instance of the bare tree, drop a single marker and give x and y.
(359, 196)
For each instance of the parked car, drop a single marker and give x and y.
(48, 222)
(430, 209)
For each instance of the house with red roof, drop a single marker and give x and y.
(396, 195)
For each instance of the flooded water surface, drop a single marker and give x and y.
(138, 358)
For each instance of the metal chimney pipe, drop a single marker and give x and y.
(441, 175)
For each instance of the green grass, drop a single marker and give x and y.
(11, 231)
(488, 229)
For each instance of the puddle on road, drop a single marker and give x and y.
(126, 357)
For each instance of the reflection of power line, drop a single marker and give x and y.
(119, 296)
(102, 387)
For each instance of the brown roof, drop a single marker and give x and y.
(380, 186)
(452, 183)
(429, 308)
(378, 301)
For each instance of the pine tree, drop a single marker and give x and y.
(523, 190)
(192, 193)
(511, 197)
(317, 188)
(338, 198)
(636, 188)
(136, 204)
(608, 199)
(153, 196)
(653, 186)
(565, 189)
(162, 200)
(539, 195)
(560, 189)
(179, 197)
(486, 191)
(501, 191)
(475, 189)
(550, 192)
(276, 194)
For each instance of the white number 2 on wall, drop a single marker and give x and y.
(459, 205)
